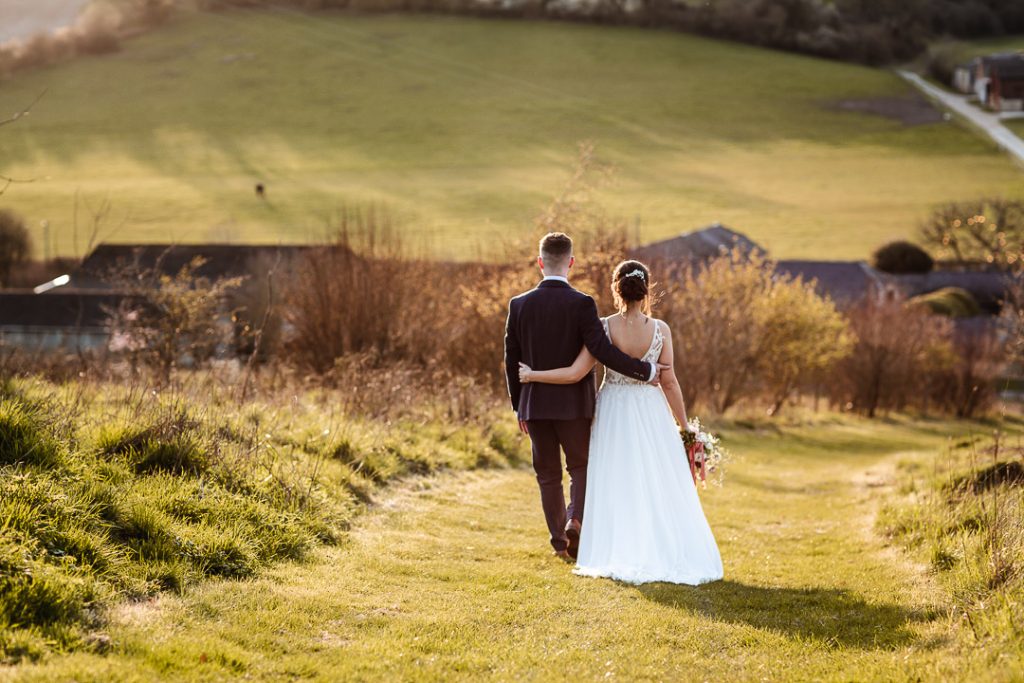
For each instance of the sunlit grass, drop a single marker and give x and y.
(110, 494)
(463, 126)
(1016, 125)
(961, 514)
(451, 579)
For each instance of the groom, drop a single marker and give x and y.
(546, 329)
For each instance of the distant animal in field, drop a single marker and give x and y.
(261, 191)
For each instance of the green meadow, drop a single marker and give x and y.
(449, 577)
(977, 48)
(464, 129)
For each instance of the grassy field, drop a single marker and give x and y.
(465, 128)
(977, 48)
(450, 579)
(111, 493)
(963, 514)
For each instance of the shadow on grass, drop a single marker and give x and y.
(831, 616)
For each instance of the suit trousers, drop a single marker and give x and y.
(548, 438)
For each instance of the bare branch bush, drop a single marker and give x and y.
(167, 319)
(967, 386)
(347, 297)
(989, 230)
(896, 348)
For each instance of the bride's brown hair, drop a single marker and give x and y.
(631, 281)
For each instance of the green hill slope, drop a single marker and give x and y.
(465, 128)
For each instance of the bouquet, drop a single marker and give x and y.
(703, 451)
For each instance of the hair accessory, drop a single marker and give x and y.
(636, 273)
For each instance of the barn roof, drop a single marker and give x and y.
(64, 310)
(1006, 64)
(698, 245)
(1009, 71)
(845, 282)
(221, 260)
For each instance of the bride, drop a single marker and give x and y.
(644, 521)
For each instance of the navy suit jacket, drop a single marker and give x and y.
(546, 328)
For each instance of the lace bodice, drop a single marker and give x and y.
(652, 355)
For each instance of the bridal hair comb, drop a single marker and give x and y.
(635, 273)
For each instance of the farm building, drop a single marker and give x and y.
(107, 262)
(699, 245)
(72, 312)
(963, 78)
(847, 283)
(998, 81)
(69, 320)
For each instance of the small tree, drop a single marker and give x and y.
(988, 231)
(15, 244)
(804, 335)
(744, 331)
(712, 310)
(902, 257)
(983, 230)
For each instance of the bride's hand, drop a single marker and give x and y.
(524, 373)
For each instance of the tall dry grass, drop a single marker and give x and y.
(964, 515)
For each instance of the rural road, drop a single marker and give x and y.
(985, 121)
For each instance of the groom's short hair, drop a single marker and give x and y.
(555, 248)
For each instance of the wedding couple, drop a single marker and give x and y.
(643, 521)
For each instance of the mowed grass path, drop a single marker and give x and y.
(465, 128)
(450, 579)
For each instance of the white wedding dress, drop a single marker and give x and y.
(643, 520)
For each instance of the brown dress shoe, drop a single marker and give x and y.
(572, 532)
(564, 556)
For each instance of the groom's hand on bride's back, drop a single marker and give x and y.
(660, 368)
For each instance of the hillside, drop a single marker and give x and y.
(465, 127)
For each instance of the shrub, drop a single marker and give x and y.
(967, 386)
(15, 245)
(941, 62)
(902, 257)
(98, 29)
(744, 331)
(349, 297)
(804, 336)
(896, 346)
(168, 318)
(952, 302)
